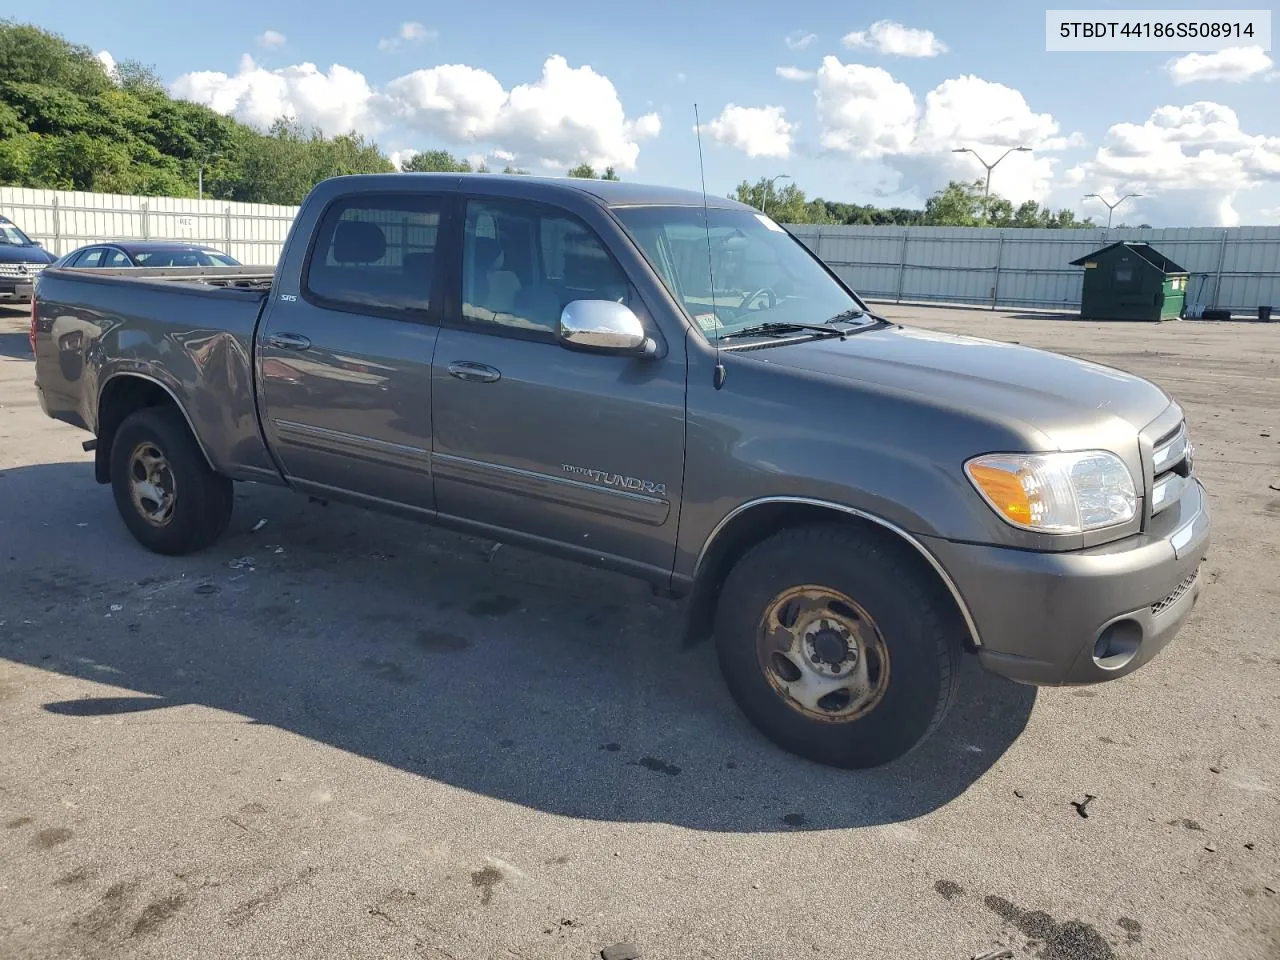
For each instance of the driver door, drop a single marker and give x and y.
(583, 451)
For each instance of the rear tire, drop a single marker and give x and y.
(823, 608)
(167, 495)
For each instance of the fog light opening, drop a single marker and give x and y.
(1117, 644)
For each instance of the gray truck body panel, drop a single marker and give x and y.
(640, 463)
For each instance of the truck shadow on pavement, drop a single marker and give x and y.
(512, 675)
(15, 346)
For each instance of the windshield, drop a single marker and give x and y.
(11, 235)
(184, 258)
(762, 274)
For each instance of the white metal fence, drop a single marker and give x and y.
(1236, 269)
(253, 233)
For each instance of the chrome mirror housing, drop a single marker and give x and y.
(603, 326)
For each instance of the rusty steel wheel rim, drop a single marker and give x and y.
(151, 484)
(823, 654)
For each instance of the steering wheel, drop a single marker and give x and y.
(745, 306)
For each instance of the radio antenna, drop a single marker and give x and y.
(718, 378)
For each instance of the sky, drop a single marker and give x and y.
(857, 102)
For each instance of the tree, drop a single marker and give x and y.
(66, 124)
(787, 205)
(584, 171)
(436, 161)
(510, 170)
(137, 77)
(956, 205)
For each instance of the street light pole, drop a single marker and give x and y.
(990, 166)
(1111, 207)
(986, 190)
(764, 200)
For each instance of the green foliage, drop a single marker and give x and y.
(584, 171)
(436, 161)
(957, 205)
(65, 124)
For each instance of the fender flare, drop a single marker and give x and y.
(891, 527)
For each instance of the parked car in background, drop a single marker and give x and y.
(146, 253)
(21, 260)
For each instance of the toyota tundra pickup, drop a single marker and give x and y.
(667, 385)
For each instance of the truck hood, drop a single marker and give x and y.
(1061, 397)
(12, 253)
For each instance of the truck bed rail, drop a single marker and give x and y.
(250, 278)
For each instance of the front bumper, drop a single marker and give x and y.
(1085, 616)
(11, 289)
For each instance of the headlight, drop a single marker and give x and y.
(1056, 492)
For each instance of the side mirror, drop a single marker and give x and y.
(602, 326)
(37, 243)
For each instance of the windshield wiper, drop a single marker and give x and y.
(779, 328)
(853, 313)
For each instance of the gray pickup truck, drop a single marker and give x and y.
(620, 375)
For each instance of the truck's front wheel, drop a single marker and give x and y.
(169, 498)
(835, 647)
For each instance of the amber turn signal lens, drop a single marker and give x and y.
(1005, 492)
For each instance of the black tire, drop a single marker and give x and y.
(914, 624)
(201, 499)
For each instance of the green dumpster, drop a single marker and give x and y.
(1131, 281)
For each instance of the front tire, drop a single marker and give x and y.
(835, 647)
(167, 495)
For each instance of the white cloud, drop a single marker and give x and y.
(756, 131)
(863, 110)
(1233, 65)
(108, 61)
(798, 39)
(399, 158)
(867, 113)
(1192, 162)
(966, 110)
(336, 101)
(506, 156)
(793, 73)
(270, 39)
(892, 38)
(410, 32)
(570, 115)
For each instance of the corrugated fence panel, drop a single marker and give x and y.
(253, 233)
(1236, 268)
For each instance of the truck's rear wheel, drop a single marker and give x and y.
(835, 648)
(168, 497)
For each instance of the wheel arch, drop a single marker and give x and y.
(751, 523)
(122, 395)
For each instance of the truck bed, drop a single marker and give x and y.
(189, 330)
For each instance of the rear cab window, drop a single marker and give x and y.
(376, 253)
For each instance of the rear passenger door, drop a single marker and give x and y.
(345, 365)
(581, 450)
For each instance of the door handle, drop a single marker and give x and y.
(288, 341)
(474, 372)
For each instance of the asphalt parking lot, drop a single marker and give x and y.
(345, 736)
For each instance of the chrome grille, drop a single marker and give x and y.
(20, 270)
(1180, 591)
(1170, 468)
